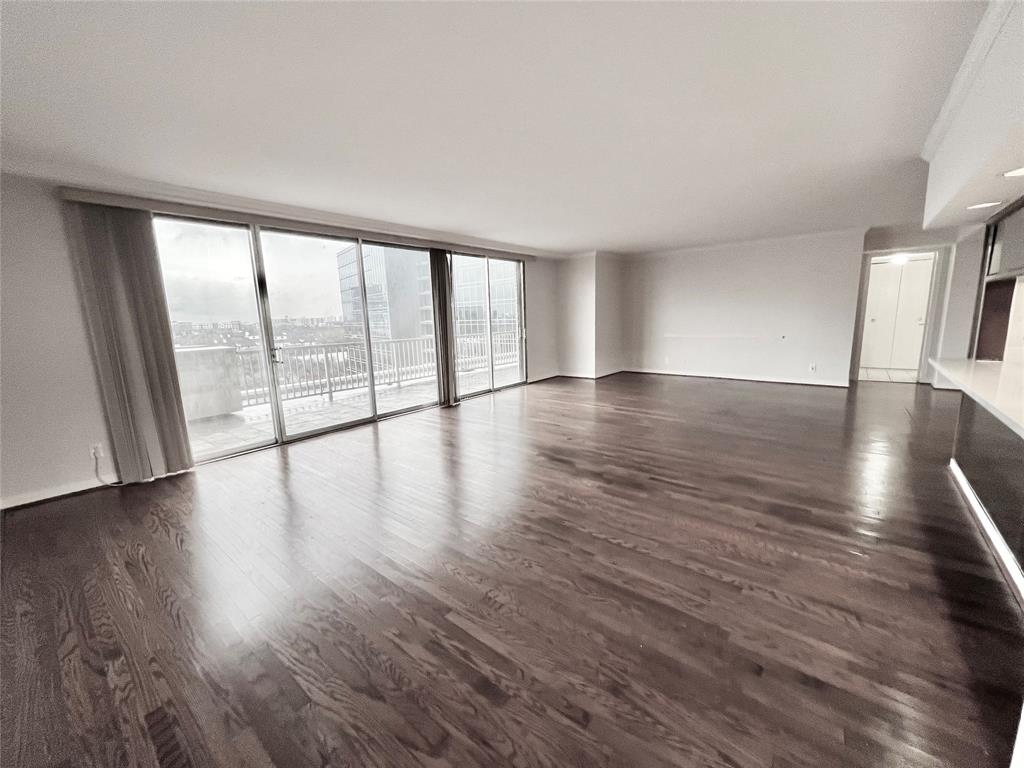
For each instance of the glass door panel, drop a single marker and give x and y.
(469, 309)
(218, 339)
(315, 304)
(505, 285)
(400, 308)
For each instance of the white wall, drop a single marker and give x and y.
(609, 307)
(962, 283)
(577, 283)
(50, 407)
(590, 315)
(763, 310)
(937, 304)
(542, 354)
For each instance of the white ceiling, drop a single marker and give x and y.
(567, 127)
(987, 184)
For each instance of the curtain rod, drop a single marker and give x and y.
(289, 223)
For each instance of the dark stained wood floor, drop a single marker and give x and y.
(639, 571)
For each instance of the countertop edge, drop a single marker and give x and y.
(951, 369)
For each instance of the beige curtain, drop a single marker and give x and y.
(122, 295)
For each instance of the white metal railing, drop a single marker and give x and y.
(471, 353)
(323, 369)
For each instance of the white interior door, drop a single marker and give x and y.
(880, 315)
(911, 314)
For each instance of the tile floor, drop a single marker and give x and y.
(253, 425)
(894, 375)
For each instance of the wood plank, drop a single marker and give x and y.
(642, 570)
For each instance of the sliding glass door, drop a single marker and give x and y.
(400, 312)
(487, 307)
(505, 289)
(280, 334)
(218, 335)
(319, 354)
(470, 313)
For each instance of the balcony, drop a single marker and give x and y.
(228, 400)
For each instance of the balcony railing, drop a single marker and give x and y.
(217, 380)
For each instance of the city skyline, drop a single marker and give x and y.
(313, 288)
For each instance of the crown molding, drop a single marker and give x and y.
(985, 35)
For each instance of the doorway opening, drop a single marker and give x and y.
(895, 317)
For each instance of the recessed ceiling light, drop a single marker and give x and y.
(1015, 172)
(984, 205)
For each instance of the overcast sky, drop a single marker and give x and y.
(208, 272)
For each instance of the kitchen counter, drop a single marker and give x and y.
(996, 386)
(988, 455)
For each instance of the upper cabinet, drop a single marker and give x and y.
(1007, 256)
(1001, 315)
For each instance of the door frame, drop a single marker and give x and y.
(270, 348)
(521, 298)
(283, 436)
(267, 326)
(377, 415)
(936, 295)
(265, 361)
(459, 397)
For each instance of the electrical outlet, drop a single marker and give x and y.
(96, 450)
(813, 367)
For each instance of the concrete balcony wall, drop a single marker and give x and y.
(209, 379)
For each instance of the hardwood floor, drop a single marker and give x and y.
(638, 571)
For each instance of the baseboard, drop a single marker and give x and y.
(765, 379)
(584, 376)
(939, 381)
(545, 378)
(1000, 549)
(18, 500)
